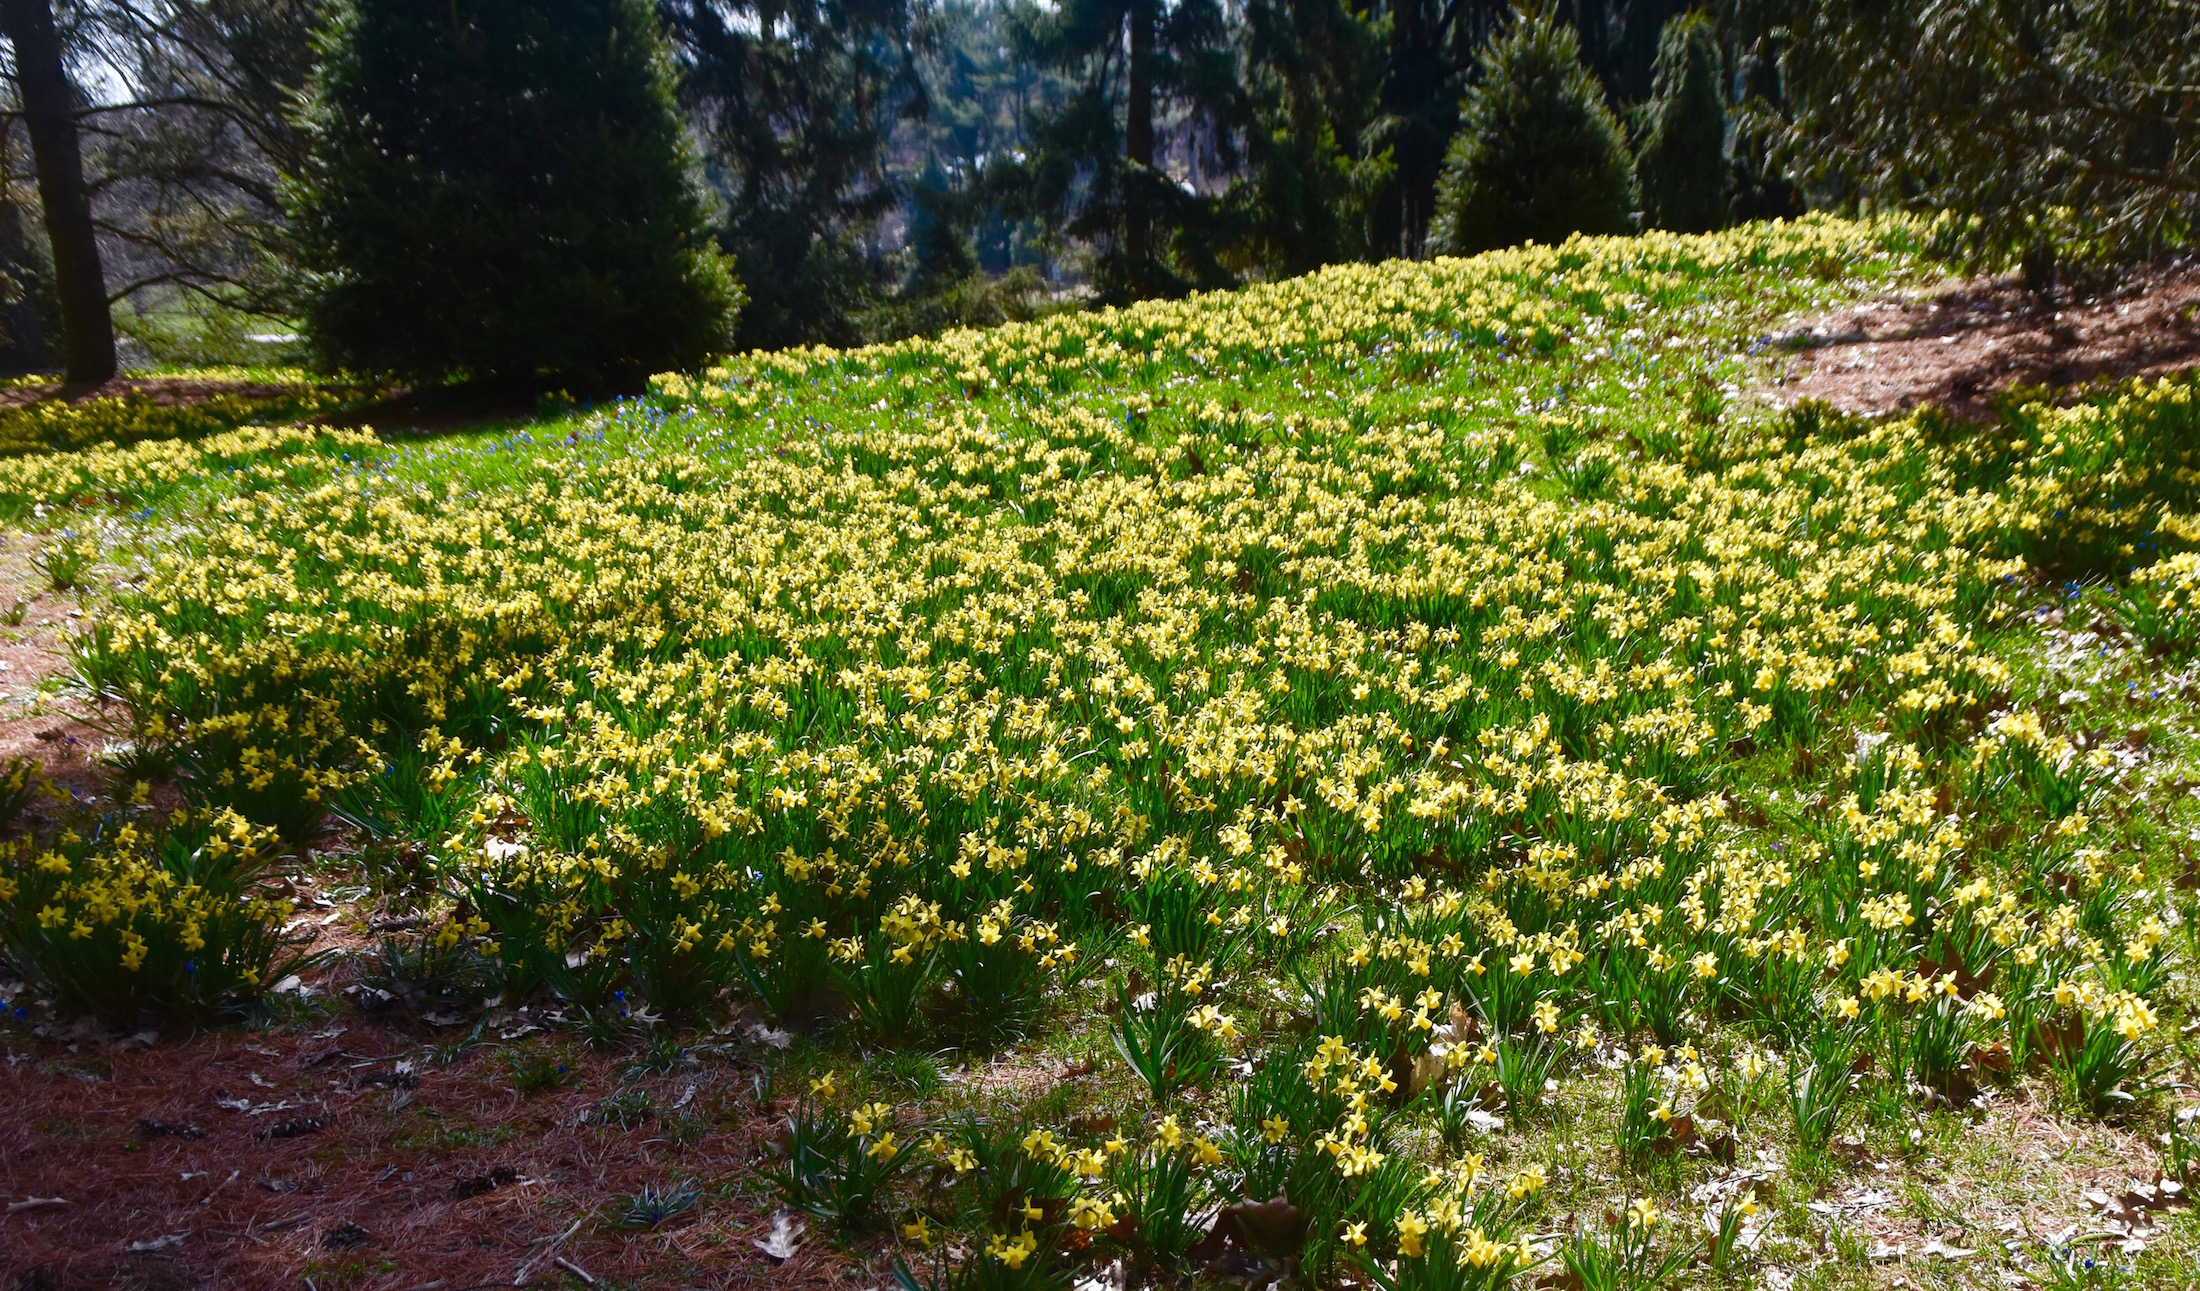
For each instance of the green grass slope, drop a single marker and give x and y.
(1469, 797)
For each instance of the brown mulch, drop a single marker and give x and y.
(168, 392)
(344, 1150)
(1961, 348)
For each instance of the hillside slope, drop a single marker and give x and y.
(1387, 775)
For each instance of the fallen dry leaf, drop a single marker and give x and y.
(784, 1239)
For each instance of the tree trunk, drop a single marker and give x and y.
(1138, 140)
(88, 331)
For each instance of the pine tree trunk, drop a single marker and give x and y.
(88, 330)
(1138, 138)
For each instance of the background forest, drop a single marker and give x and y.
(871, 169)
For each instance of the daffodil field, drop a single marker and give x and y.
(1474, 795)
(261, 396)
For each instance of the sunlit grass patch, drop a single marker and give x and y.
(1451, 784)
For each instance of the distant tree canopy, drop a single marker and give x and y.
(796, 104)
(185, 119)
(501, 192)
(872, 169)
(191, 166)
(1322, 155)
(1098, 163)
(2059, 128)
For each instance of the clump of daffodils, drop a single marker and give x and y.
(143, 915)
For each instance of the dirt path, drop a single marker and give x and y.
(1959, 348)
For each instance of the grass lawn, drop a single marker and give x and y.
(1419, 776)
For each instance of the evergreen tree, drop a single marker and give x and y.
(1317, 178)
(984, 99)
(939, 214)
(1682, 167)
(1761, 188)
(1620, 40)
(797, 102)
(1539, 154)
(500, 191)
(1433, 48)
(1097, 168)
(944, 286)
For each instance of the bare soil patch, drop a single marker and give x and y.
(55, 730)
(354, 1152)
(1961, 348)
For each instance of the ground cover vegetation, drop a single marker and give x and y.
(186, 405)
(1477, 800)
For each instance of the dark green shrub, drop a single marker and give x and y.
(1682, 168)
(502, 192)
(1538, 154)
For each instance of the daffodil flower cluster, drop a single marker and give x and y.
(49, 424)
(141, 914)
